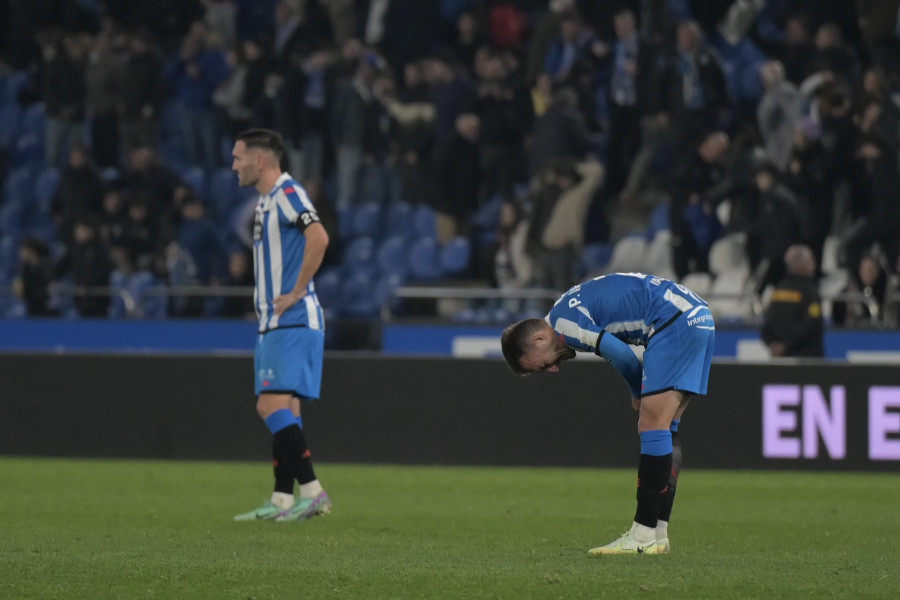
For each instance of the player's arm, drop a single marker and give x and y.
(313, 254)
(619, 355)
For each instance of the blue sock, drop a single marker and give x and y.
(657, 442)
(674, 426)
(300, 421)
(280, 419)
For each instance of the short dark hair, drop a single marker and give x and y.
(515, 340)
(265, 139)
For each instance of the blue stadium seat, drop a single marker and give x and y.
(28, 151)
(15, 85)
(118, 281)
(367, 219)
(345, 222)
(328, 288)
(222, 193)
(357, 297)
(18, 188)
(425, 221)
(9, 256)
(424, 259)
(45, 187)
(399, 220)
(152, 307)
(384, 290)
(660, 219)
(488, 216)
(456, 255)
(195, 178)
(594, 257)
(10, 124)
(12, 218)
(392, 255)
(360, 252)
(110, 174)
(34, 120)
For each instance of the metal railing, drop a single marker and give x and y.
(134, 308)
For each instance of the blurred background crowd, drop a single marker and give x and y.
(514, 144)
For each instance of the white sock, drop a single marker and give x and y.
(662, 529)
(311, 489)
(282, 500)
(642, 533)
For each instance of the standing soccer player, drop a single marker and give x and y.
(604, 316)
(288, 246)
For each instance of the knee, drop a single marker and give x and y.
(266, 404)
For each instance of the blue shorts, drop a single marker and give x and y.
(678, 356)
(289, 361)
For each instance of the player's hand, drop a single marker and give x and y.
(282, 303)
(636, 404)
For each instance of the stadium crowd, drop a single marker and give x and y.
(533, 136)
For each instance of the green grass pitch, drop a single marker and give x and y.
(132, 529)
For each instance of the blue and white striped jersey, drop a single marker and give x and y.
(278, 247)
(630, 306)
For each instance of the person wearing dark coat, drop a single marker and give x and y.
(457, 177)
(560, 133)
(90, 264)
(35, 275)
(793, 324)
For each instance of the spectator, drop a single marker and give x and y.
(863, 300)
(221, 20)
(240, 274)
(775, 226)
(512, 263)
(694, 189)
(631, 73)
(834, 56)
(558, 222)
(452, 93)
(572, 45)
(561, 133)
(690, 96)
(102, 81)
(141, 87)
(113, 227)
(777, 113)
(198, 240)
(355, 124)
(692, 90)
(304, 104)
(798, 52)
(32, 285)
(793, 321)
(468, 39)
(412, 114)
(80, 192)
(810, 175)
(879, 221)
(505, 115)
(89, 263)
(194, 74)
(141, 234)
(150, 178)
(64, 94)
(458, 178)
(878, 27)
(229, 97)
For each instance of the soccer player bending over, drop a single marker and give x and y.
(603, 316)
(288, 246)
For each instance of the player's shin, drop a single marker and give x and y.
(653, 476)
(662, 524)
